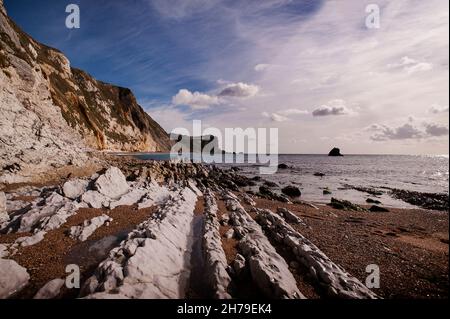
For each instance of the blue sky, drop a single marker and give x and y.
(310, 68)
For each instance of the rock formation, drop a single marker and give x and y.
(335, 152)
(51, 113)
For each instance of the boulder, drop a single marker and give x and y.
(112, 184)
(292, 191)
(271, 184)
(51, 290)
(95, 200)
(335, 152)
(75, 188)
(373, 201)
(13, 278)
(283, 166)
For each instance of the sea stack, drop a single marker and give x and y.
(335, 152)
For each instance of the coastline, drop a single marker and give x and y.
(409, 245)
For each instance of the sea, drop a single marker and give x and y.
(427, 174)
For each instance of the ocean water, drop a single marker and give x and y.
(429, 174)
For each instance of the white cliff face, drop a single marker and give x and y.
(50, 113)
(34, 136)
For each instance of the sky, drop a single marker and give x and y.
(311, 68)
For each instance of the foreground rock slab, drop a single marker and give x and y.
(152, 262)
(13, 278)
(337, 282)
(269, 271)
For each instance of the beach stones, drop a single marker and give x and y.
(13, 278)
(75, 188)
(112, 184)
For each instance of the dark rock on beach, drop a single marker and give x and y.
(345, 205)
(378, 209)
(271, 184)
(424, 200)
(319, 174)
(283, 166)
(265, 192)
(373, 201)
(292, 191)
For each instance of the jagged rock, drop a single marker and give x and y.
(95, 200)
(216, 273)
(51, 290)
(30, 241)
(346, 205)
(229, 234)
(225, 219)
(83, 232)
(289, 216)
(292, 191)
(239, 264)
(248, 200)
(112, 184)
(378, 209)
(338, 282)
(31, 219)
(268, 269)
(265, 192)
(335, 152)
(13, 278)
(75, 188)
(131, 198)
(143, 275)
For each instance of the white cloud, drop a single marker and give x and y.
(195, 100)
(284, 115)
(261, 67)
(290, 112)
(437, 109)
(334, 107)
(326, 55)
(239, 90)
(407, 131)
(411, 66)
